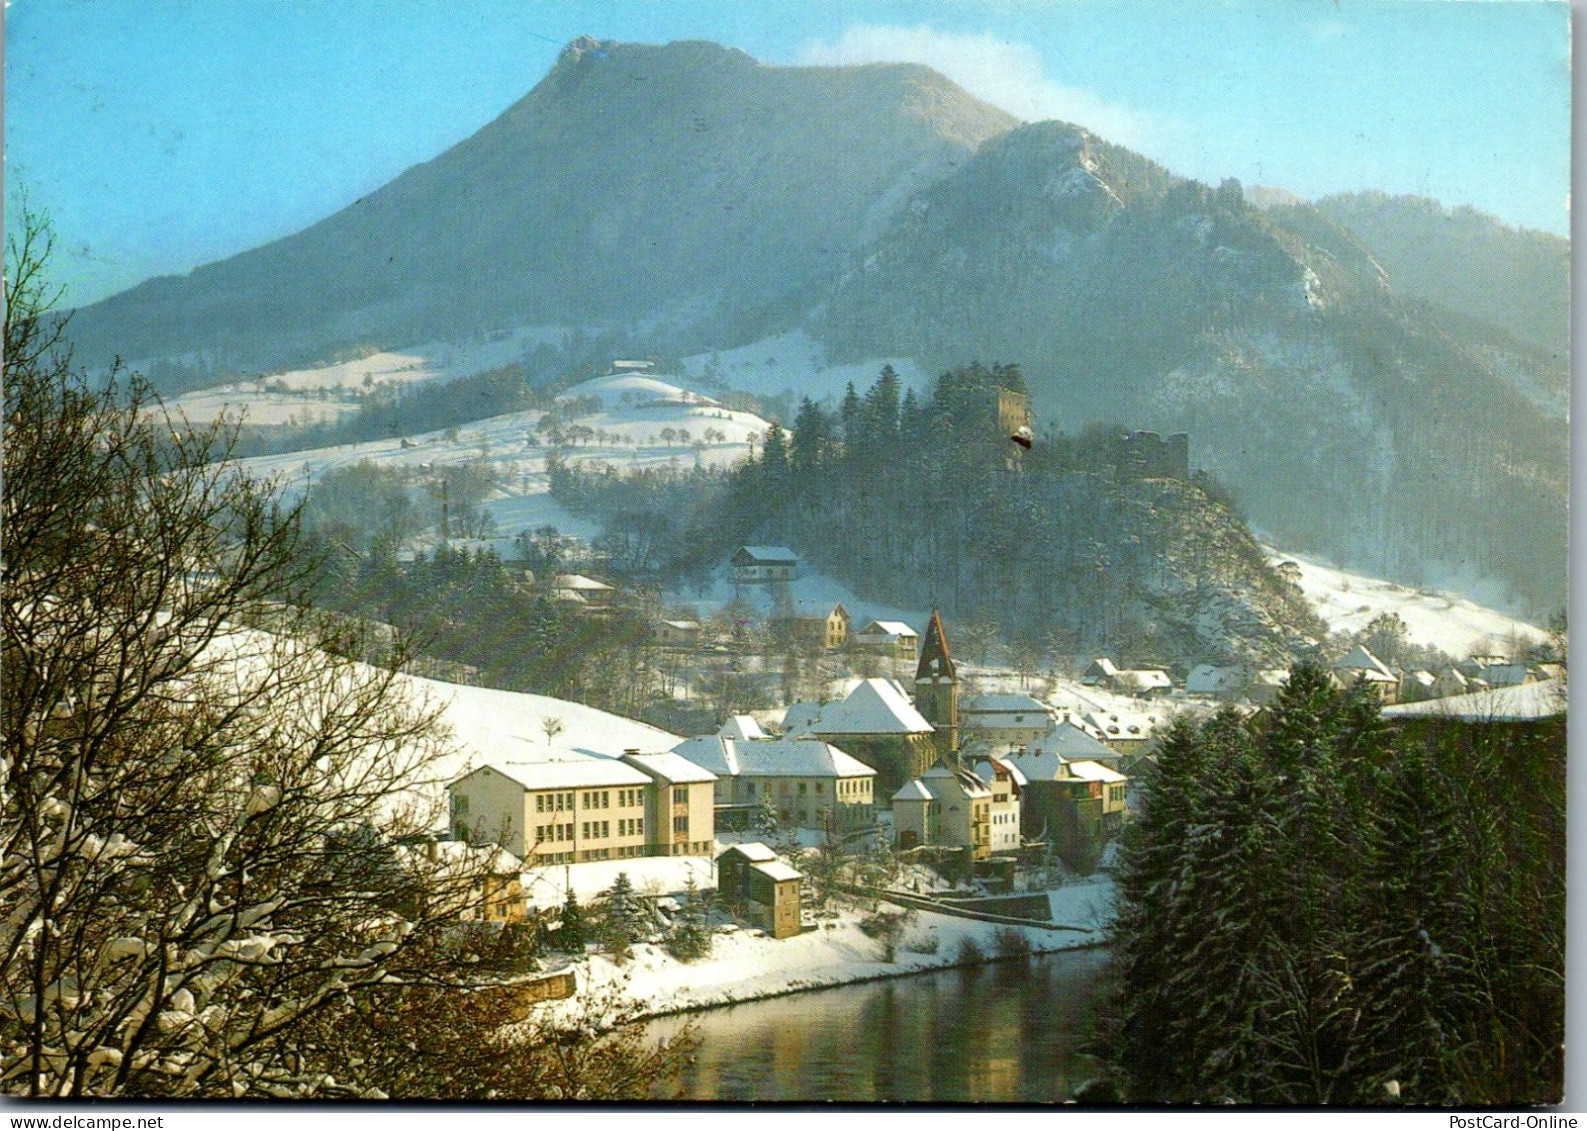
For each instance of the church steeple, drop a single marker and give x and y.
(937, 686)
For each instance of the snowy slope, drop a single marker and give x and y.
(506, 726)
(667, 427)
(796, 363)
(278, 398)
(1349, 601)
(1538, 700)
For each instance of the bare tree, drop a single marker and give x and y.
(212, 812)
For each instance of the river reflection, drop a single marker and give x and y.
(1006, 1033)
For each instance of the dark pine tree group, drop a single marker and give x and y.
(1320, 906)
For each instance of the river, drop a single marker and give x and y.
(1010, 1032)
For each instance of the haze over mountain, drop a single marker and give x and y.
(1374, 382)
(633, 180)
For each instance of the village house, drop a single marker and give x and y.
(1126, 732)
(1360, 664)
(1209, 681)
(1143, 683)
(1494, 671)
(945, 807)
(815, 624)
(1417, 685)
(874, 723)
(1265, 686)
(752, 565)
(499, 898)
(812, 783)
(576, 810)
(892, 638)
(1004, 783)
(1074, 806)
(769, 890)
(1003, 718)
(576, 589)
(1098, 672)
(678, 633)
(1065, 738)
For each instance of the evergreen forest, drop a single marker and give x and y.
(1321, 906)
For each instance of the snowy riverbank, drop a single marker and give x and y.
(746, 965)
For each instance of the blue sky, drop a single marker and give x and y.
(163, 134)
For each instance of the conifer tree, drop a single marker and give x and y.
(573, 934)
(691, 938)
(849, 413)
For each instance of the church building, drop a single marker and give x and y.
(937, 688)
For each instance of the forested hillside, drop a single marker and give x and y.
(1352, 418)
(1321, 907)
(1380, 381)
(920, 502)
(1514, 279)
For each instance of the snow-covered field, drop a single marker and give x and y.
(792, 363)
(1538, 700)
(1349, 601)
(298, 396)
(796, 364)
(656, 424)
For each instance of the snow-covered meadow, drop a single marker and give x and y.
(1349, 601)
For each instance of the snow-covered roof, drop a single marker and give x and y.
(682, 625)
(768, 555)
(992, 704)
(578, 581)
(580, 773)
(1093, 771)
(1117, 725)
(1099, 668)
(990, 767)
(669, 767)
(778, 871)
(1143, 679)
(1505, 675)
(751, 850)
(913, 791)
(771, 757)
(1208, 679)
(801, 716)
(1070, 742)
(892, 628)
(741, 726)
(1360, 661)
(1034, 765)
(494, 856)
(939, 776)
(875, 706)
